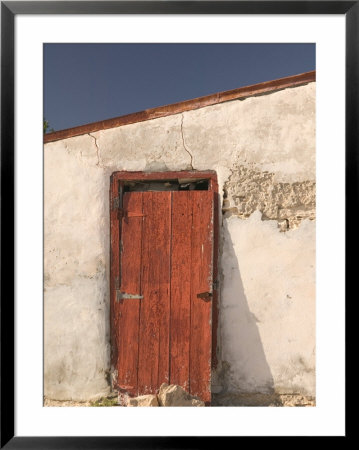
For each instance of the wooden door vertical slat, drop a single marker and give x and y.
(180, 288)
(202, 282)
(130, 283)
(155, 306)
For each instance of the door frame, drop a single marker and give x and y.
(117, 181)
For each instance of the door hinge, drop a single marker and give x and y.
(122, 295)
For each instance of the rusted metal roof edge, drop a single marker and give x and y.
(187, 105)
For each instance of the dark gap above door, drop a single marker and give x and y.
(180, 184)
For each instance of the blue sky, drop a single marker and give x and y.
(86, 83)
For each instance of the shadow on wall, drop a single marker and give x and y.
(244, 368)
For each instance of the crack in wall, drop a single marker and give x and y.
(248, 190)
(97, 149)
(184, 145)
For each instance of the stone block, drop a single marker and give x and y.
(143, 400)
(173, 395)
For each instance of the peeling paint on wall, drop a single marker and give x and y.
(249, 190)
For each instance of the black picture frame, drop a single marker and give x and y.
(9, 9)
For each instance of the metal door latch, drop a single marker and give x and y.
(206, 296)
(122, 295)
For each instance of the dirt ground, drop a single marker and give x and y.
(262, 400)
(49, 402)
(218, 400)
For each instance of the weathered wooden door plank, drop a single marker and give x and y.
(130, 283)
(202, 282)
(180, 288)
(153, 366)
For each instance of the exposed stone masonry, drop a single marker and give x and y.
(248, 190)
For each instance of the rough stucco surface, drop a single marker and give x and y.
(263, 150)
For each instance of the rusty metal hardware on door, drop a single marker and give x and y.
(206, 296)
(122, 295)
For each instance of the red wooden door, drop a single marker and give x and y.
(164, 300)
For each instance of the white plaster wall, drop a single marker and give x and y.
(76, 271)
(267, 305)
